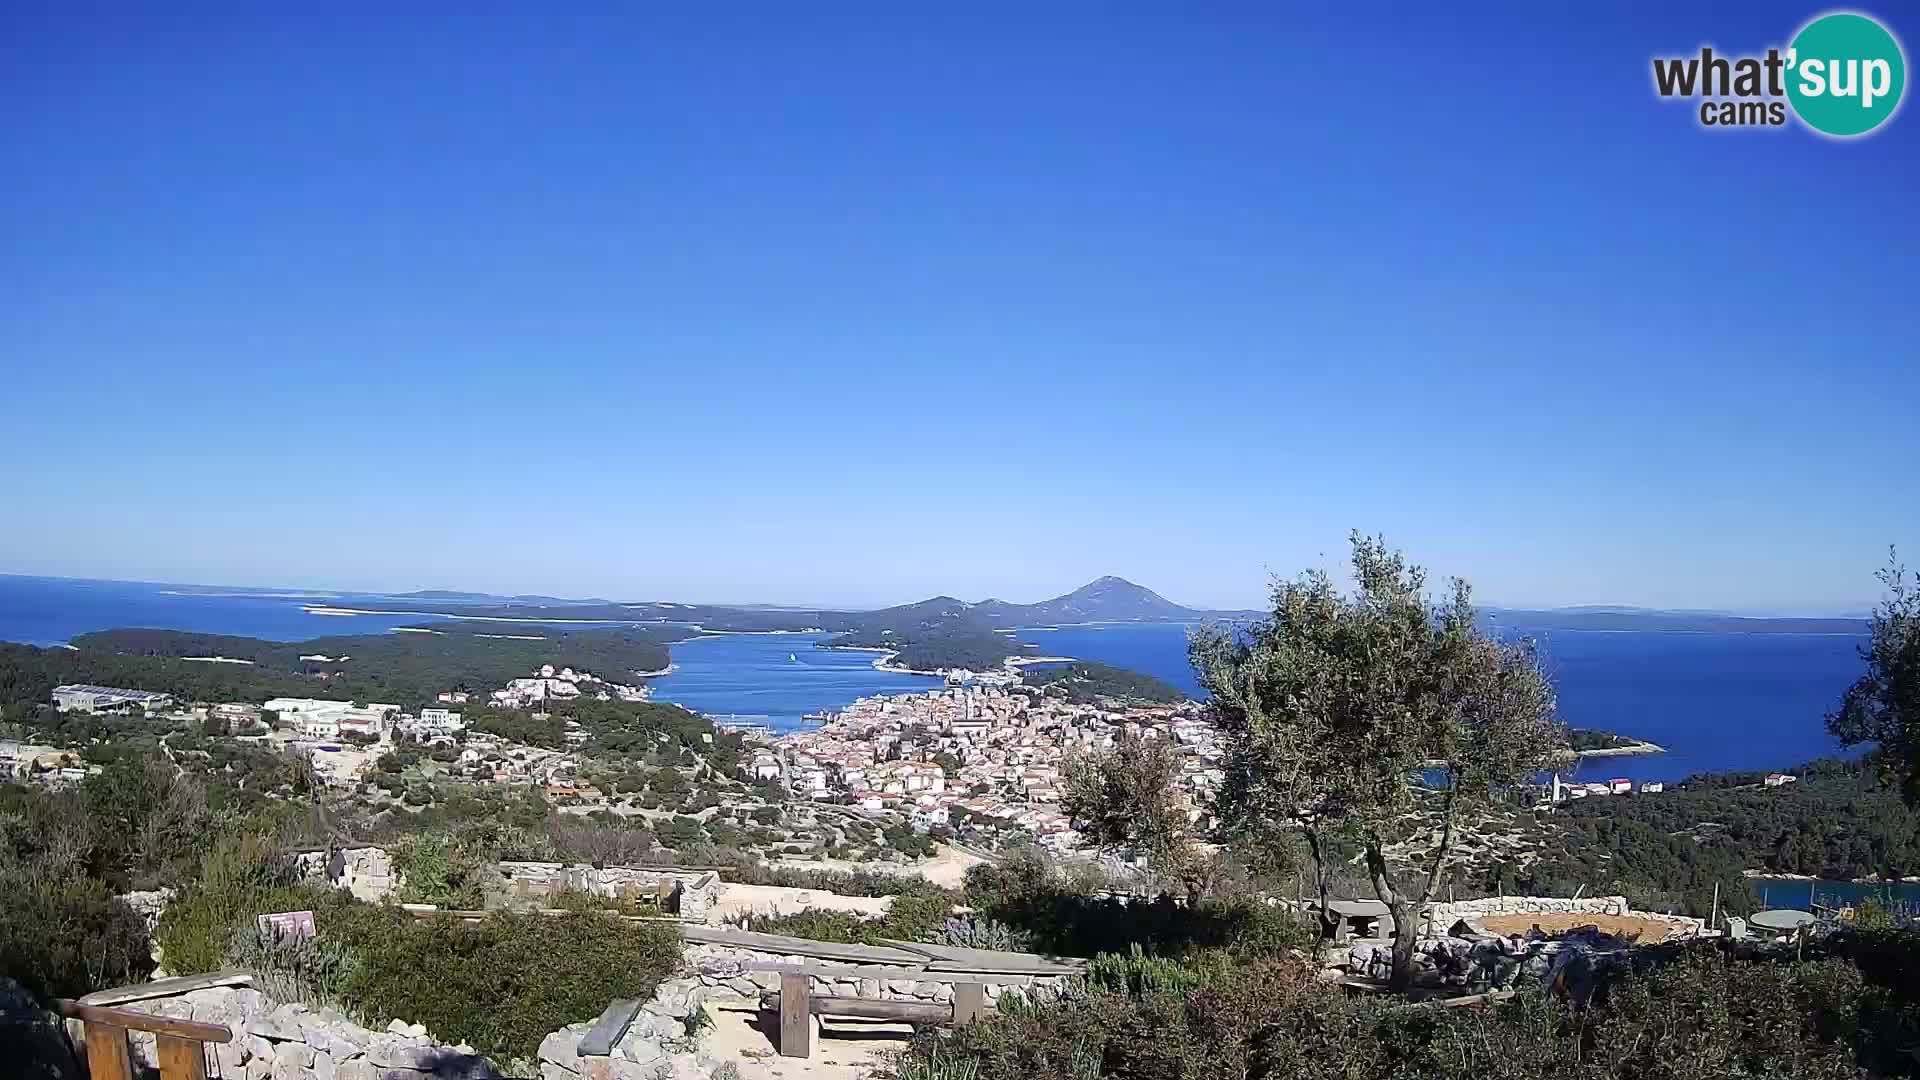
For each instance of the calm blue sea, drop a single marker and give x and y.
(775, 679)
(50, 611)
(1716, 701)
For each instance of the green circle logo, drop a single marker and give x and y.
(1845, 74)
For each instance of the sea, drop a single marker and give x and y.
(1714, 701)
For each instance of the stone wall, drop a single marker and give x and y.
(366, 872)
(727, 969)
(655, 1047)
(692, 893)
(1440, 918)
(274, 1041)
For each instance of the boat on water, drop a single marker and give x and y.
(792, 659)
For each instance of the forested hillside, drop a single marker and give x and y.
(405, 669)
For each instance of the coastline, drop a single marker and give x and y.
(1912, 879)
(1623, 751)
(321, 609)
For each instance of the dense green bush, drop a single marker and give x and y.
(241, 877)
(312, 971)
(442, 870)
(499, 985)
(844, 883)
(64, 937)
(1699, 1015)
(1055, 912)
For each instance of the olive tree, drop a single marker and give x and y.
(1126, 799)
(1883, 706)
(1373, 719)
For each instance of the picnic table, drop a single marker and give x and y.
(1780, 920)
(1361, 918)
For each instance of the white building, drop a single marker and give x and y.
(86, 698)
(439, 722)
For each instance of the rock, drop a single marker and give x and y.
(926, 991)
(275, 1028)
(323, 1066)
(640, 1051)
(232, 1056)
(562, 1048)
(357, 1069)
(899, 986)
(551, 1071)
(399, 1052)
(288, 1056)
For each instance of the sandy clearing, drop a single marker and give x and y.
(846, 1049)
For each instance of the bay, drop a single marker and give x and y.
(1797, 893)
(775, 679)
(1716, 701)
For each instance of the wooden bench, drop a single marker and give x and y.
(797, 1006)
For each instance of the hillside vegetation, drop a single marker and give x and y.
(1087, 683)
(405, 669)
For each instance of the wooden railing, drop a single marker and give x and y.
(180, 1045)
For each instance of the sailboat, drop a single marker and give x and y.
(792, 659)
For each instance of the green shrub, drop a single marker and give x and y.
(241, 877)
(1034, 897)
(980, 934)
(312, 971)
(64, 937)
(441, 870)
(1136, 972)
(1697, 1014)
(501, 984)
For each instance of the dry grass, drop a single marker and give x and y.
(1629, 927)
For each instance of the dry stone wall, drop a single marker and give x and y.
(693, 893)
(733, 970)
(274, 1041)
(1440, 918)
(368, 873)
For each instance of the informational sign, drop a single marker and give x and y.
(287, 925)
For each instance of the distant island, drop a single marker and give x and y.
(1592, 742)
(944, 633)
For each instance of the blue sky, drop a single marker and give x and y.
(860, 306)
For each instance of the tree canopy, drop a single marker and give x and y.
(1883, 706)
(1125, 799)
(1375, 717)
